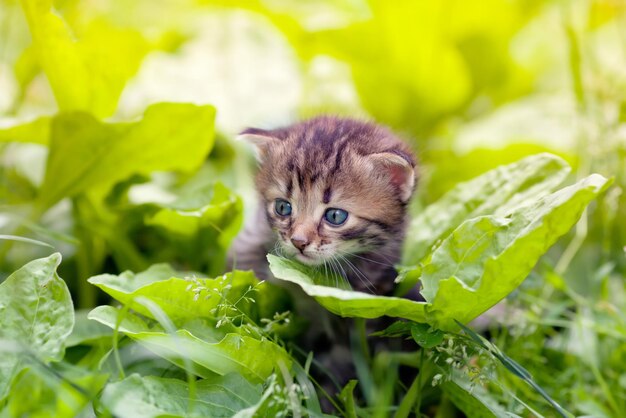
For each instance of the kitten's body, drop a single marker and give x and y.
(360, 168)
(310, 168)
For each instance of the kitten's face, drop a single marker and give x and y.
(327, 199)
(333, 216)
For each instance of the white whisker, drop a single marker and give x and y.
(368, 284)
(367, 259)
(344, 275)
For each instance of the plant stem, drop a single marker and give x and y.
(360, 325)
(418, 405)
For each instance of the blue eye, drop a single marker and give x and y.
(282, 207)
(336, 216)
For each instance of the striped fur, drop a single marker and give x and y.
(330, 162)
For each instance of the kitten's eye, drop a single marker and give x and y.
(336, 216)
(282, 207)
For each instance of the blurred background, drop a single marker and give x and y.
(485, 82)
(471, 84)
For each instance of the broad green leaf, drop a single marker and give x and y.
(36, 394)
(150, 396)
(488, 257)
(253, 358)
(202, 209)
(346, 302)
(489, 193)
(86, 154)
(86, 74)
(185, 299)
(36, 314)
(36, 131)
(203, 224)
(128, 282)
(448, 168)
(425, 336)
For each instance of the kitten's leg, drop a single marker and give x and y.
(250, 247)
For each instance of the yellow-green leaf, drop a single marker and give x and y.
(86, 154)
(87, 71)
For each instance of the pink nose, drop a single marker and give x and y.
(300, 243)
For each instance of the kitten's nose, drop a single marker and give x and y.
(300, 242)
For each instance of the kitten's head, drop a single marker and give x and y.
(333, 186)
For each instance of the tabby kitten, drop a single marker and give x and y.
(333, 195)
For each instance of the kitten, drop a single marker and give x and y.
(333, 194)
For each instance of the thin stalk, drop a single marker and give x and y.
(413, 395)
(116, 353)
(418, 405)
(360, 326)
(605, 389)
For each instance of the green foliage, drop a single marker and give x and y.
(346, 302)
(36, 131)
(482, 258)
(37, 394)
(89, 74)
(486, 258)
(208, 218)
(417, 92)
(223, 352)
(211, 316)
(37, 317)
(154, 397)
(494, 192)
(143, 208)
(88, 155)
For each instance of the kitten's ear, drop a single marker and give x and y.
(398, 170)
(260, 138)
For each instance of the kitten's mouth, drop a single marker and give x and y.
(306, 259)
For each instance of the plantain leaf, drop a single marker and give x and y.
(176, 296)
(346, 302)
(36, 315)
(86, 154)
(150, 396)
(488, 257)
(489, 193)
(254, 358)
